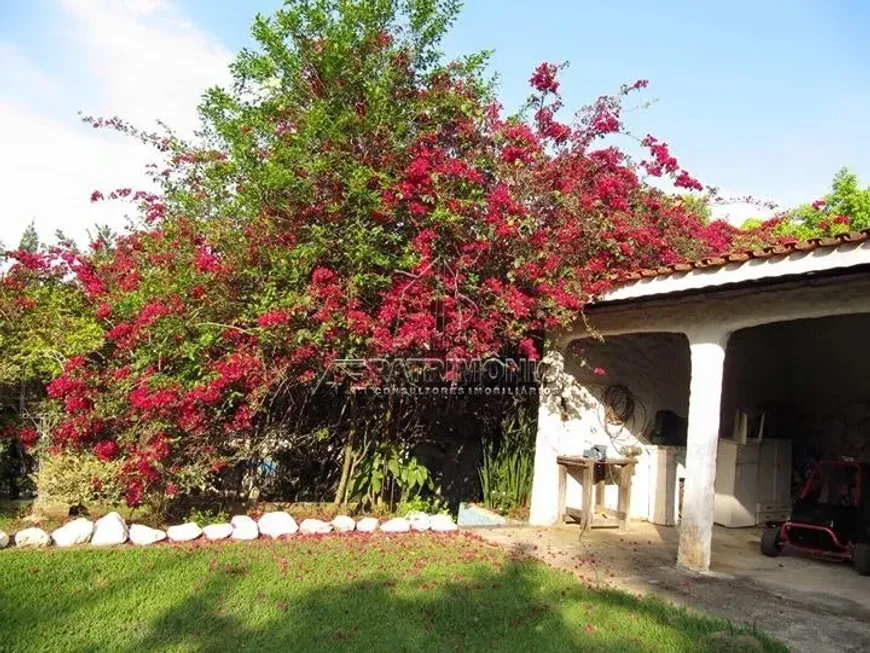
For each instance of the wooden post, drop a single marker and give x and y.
(599, 494)
(588, 474)
(563, 489)
(624, 503)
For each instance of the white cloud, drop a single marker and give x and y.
(20, 74)
(139, 59)
(153, 62)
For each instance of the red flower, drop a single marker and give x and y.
(322, 275)
(206, 260)
(599, 371)
(133, 495)
(528, 350)
(383, 39)
(28, 436)
(274, 318)
(160, 447)
(103, 311)
(544, 78)
(106, 450)
(684, 180)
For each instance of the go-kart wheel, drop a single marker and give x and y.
(770, 545)
(861, 558)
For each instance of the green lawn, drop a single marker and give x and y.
(411, 592)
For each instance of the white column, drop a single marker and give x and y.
(705, 395)
(544, 510)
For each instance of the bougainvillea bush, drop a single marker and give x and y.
(44, 320)
(352, 195)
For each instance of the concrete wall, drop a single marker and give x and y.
(654, 367)
(655, 370)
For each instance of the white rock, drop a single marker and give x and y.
(442, 523)
(396, 525)
(144, 535)
(110, 530)
(4, 540)
(78, 531)
(367, 525)
(314, 527)
(343, 524)
(419, 521)
(276, 524)
(184, 532)
(244, 528)
(32, 537)
(217, 531)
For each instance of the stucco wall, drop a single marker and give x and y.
(654, 367)
(655, 370)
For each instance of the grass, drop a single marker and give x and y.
(414, 592)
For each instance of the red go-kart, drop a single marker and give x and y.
(830, 519)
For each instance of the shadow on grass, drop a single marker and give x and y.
(508, 610)
(358, 593)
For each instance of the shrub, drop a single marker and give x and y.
(508, 463)
(204, 517)
(431, 505)
(78, 478)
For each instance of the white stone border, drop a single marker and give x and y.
(112, 530)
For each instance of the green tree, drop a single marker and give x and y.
(845, 208)
(699, 205)
(44, 321)
(29, 239)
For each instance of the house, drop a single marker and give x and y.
(697, 363)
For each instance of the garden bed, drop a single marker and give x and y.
(419, 592)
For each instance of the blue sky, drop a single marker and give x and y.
(762, 98)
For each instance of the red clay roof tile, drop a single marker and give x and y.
(741, 256)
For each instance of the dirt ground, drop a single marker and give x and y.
(810, 605)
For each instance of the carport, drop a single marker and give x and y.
(694, 362)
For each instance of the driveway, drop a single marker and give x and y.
(808, 604)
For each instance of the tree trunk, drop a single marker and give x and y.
(344, 481)
(341, 492)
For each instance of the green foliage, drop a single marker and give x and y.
(29, 239)
(508, 463)
(206, 516)
(386, 475)
(699, 205)
(431, 505)
(34, 344)
(74, 478)
(845, 208)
